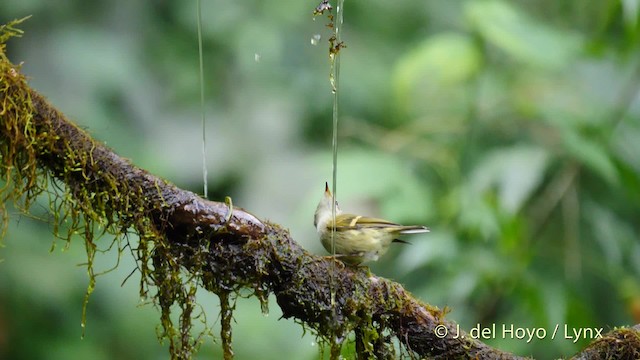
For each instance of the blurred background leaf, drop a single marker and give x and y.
(511, 128)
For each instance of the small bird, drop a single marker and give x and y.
(357, 238)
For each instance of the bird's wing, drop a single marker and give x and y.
(350, 222)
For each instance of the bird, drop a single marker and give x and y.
(358, 239)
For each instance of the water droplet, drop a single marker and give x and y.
(315, 39)
(313, 343)
(332, 81)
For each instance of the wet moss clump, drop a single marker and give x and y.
(622, 343)
(336, 300)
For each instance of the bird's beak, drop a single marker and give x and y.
(326, 189)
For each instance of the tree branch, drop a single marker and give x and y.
(225, 249)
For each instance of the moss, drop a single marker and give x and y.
(18, 167)
(622, 343)
(39, 152)
(226, 312)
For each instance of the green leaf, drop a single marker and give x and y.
(519, 36)
(614, 236)
(516, 172)
(590, 153)
(630, 10)
(444, 58)
(441, 61)
(625, 145)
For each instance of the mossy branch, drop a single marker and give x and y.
(187, 241)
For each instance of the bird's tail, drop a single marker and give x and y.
(414, 229)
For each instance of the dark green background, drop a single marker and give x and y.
(511, 128)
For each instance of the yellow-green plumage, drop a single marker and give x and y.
(357, 238)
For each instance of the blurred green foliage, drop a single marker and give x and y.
(511, 128)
